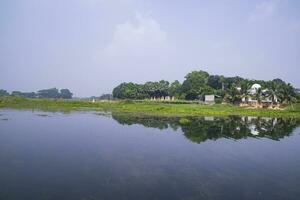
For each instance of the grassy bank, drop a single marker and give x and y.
(145, 108)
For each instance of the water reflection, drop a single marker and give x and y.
(201, 129)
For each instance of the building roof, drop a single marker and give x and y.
(255, 86)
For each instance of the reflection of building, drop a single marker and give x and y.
(253, 129)
(209, 119)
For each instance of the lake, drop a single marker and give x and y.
(91, 156)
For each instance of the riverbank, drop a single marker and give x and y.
(146, 108)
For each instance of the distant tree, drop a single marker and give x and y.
(66, 94)
(163, 88)
(30, 94)
(287, 94)
(156, 89)
(194, 83)
(230, 81)
(175, 89)
(233, 95)
(245, 90)
(272, 92)
(258, 95)
(16, 94)
(128, 91)
(49, 93)
(3, 93)
(23, 94)
(106, 97)
(215, 82)
(197, 84)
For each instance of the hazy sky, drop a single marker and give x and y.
(90, 46)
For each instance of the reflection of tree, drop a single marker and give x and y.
(201, 128)
(152, 122)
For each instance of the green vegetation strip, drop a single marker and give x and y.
(146, 108)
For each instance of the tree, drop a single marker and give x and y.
(156, 89)
(106, 97)
(16, 94)
(287, 94)
(258, 95)
(233, 95)
(129, 91)
(163, 88)
(245, 93)
(272, 92)
(175, 89)
(3, 93)
(66, 94)
(194, 83)
(215, 82)
(49, 93)
(23, 94)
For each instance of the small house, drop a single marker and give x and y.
(209, 99)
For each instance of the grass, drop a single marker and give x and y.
(146, 108)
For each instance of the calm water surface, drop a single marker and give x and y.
(87, 156)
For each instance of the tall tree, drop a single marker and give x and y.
(215, 82)
(287, 94)
(49, 93)
(194, 83)
(3, 93)
(233, 95)
(175, 89)
(66, 94)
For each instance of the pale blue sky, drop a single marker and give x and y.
(90, 46)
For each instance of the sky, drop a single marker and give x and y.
(91, 46)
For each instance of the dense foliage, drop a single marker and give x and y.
(46, 93)
(197, 84)
(3, 93)
(103, 97)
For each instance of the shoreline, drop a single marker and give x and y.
(147, 108)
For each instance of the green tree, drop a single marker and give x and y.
(215, 82)
(66, 94)
(233, 95)
(16, 94)
(287, 94)
(49, 93)
(272, 92)
(258, 95)
(194, 83)
(128, 91)
(23, 94)
(3, 93)
(245, 93)
(175, 89)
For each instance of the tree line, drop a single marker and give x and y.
(45, 93)
(197, 84)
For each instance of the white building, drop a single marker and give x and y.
(209, 99)
(254, 88)
(252, 91)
